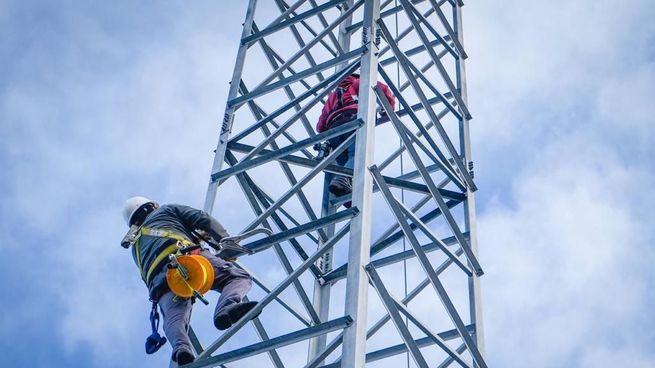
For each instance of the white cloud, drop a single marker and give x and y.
(613, 356)
(530, 61)
(79, 139)
(568, 261)
(563, 111)
(624, 105)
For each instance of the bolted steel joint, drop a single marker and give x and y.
(227, 122)
(365, 35)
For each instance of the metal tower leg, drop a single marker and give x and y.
(228, 116)
(322, 291)
(470, 223)
(354, 339)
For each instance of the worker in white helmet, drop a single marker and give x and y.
(158, 231)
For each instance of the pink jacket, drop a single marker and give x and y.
(331, 110)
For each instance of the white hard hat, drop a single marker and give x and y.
(132, 205)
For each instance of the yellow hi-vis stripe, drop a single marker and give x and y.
(165, 234)
(162, 256)
(173, 248)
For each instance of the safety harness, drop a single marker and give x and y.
(180, 243)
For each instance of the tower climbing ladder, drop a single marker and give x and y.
(332, 296)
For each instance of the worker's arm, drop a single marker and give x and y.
(387, 93)
(331, 102)
(196, 219)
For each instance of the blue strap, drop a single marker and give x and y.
(155, 341)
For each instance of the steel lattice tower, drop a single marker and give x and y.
(412, 184)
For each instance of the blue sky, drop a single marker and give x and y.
(103, 100)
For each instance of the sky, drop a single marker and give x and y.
(100, 101)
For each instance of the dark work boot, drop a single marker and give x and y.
(340, 186)
(232, 314)
(183, 357)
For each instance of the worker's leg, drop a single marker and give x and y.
(177, 313)
(342, 185)
(233, 284)
(347, 158)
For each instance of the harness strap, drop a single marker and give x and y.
(160, 233)
(181, 242)
(173, 248)
(343, 105)
(339, 91)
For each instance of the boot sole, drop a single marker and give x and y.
(184, 357)
(225, 320)
(339, 191)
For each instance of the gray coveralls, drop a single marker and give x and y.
(233, 283)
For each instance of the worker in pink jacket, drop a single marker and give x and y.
(340, 108)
